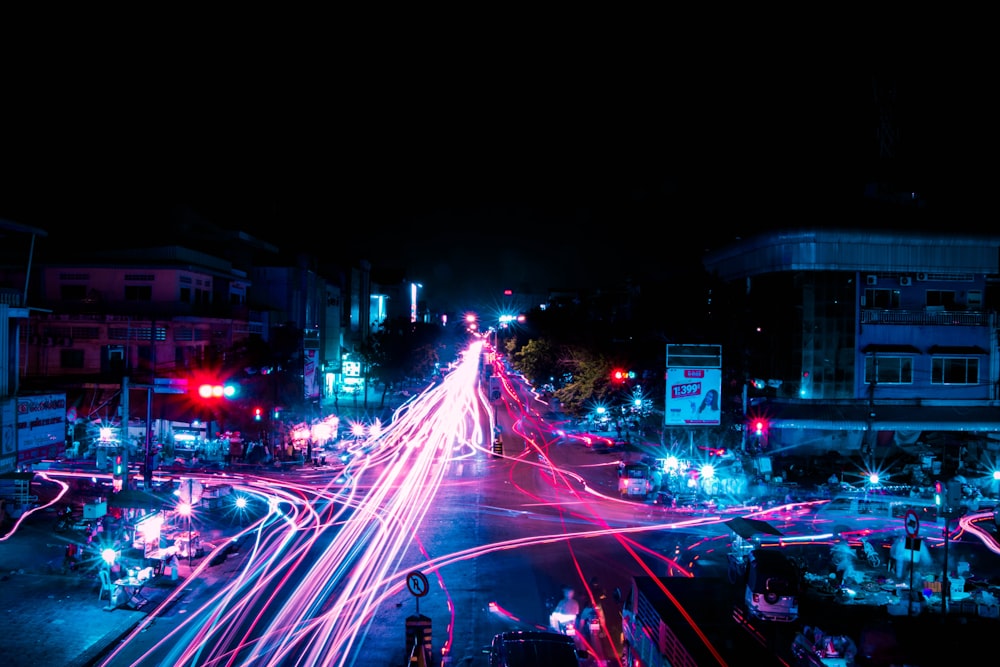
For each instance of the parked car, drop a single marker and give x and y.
(534, 648)
(772, 588)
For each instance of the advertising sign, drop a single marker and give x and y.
(41, 427)
(693, 396)
(311, 374)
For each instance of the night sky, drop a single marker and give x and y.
(477, 176)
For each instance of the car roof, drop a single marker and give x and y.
(529, 648)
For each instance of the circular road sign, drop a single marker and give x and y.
(416, 582)
(912, 523)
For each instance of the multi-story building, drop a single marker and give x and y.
(31, 425)
(866, 339)
(152, 312)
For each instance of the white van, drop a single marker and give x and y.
(870, 512)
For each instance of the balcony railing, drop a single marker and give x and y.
(10, 297)
(925, 317)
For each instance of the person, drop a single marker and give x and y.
(710, 403)
(566, 611)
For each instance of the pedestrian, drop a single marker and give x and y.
(69, 558)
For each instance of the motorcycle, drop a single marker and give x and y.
(590, 619)
(563, 623)
(70, 523)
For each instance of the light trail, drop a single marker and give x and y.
(325, 558)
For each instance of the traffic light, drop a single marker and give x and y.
(210, 390)
(758, 433)
(939, 498)
(620, 375)
(258, 414)
(118, 465)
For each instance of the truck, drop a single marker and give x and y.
(668, 621)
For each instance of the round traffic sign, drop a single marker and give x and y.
(416, 582)
(912, 523)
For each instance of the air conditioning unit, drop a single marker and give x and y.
(905, 281)
(871, 279)
(921, 277)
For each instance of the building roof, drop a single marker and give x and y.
(856, 250)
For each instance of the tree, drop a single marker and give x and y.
(400, 350)
(537, 360)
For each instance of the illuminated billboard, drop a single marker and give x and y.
(694, 385)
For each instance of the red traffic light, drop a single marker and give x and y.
(211, 390)
(258, 414)
(758, 426)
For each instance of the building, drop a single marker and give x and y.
(866, 339)
(146, 311)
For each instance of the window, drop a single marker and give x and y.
(955, 370)
(890, 370)
(138, 292)
(974, 299)
(881, 298)
(185, 295)
(70, 358)
(941, 297)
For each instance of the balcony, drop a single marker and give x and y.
(11, 297)
(925, 317)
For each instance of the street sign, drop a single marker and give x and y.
(168, 386)
(912, 523)
(416, 582)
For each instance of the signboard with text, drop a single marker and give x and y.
(41, 427)
(694, 385)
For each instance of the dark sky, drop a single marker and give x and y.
(474, 174)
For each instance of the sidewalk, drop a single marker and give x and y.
(54, 618)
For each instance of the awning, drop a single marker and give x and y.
(827, 417)
(880, 348)
(956, 349)
(747, 528)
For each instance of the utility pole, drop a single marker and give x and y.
(123, 447)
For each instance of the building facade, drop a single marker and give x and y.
(153, 312)
(867, 339)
